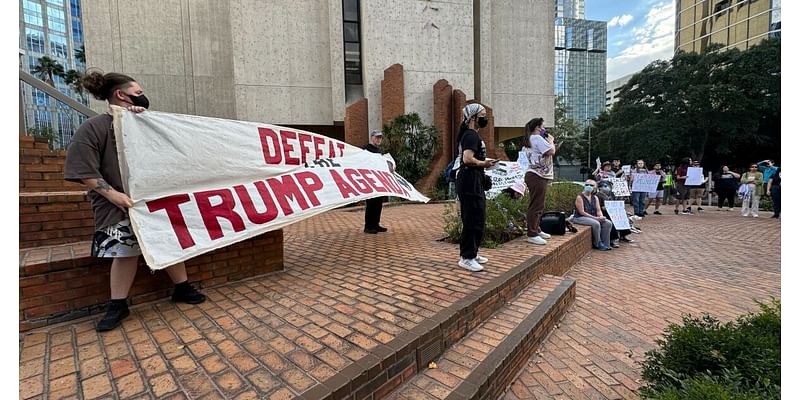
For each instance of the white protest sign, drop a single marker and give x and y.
(626, 170)
(616, 210)
(620, 187)
(199, 184)
(505, 174)
(598, 162)
(645, 183)
(694, 176)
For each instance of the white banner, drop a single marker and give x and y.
(616, 210)
(199, 183)
(626, 170)
(694, 176)
(645, 183)
(620, 187)
(505, 174)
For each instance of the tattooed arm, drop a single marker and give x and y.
(102, 187)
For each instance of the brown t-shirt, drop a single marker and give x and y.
(93, 154)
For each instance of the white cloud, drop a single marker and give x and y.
(620, 20)
(653, 40)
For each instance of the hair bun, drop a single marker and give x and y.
(94, 82)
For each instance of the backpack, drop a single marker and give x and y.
(554, 223)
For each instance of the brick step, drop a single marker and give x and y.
(485, 362)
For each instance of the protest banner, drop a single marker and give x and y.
(620, 187)
(616, 210)
(645, 183)
(694, 176)
(504, 175)
(199, 183)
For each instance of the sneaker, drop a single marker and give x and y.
(536, 240)
(481, 259)
(470, 265)
(730, 209)
(615, 244)
(381, 229)
(644, 212)
(603, 247)
(112, 319)
(755, 215)
(699, 208)
(626, 240)
(188, 296)
(689, 209)
(635, 230)
(687, 212)
(636, 218)
(370, 230)
(676, 211)
(544, 235)
(656, 212)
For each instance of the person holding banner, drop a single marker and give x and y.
(470, 186)
(538, 149)
(92, 160)
(372, 211)
(754, 180)
(637, 197)
(589, 212)
(658, 195)
(604, 173)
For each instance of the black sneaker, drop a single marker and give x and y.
(112, 319)
(656, 212)
(676, 211)
(687, 212)
(381, 229)
(699, 208)
(370, 230)
(189, 295)
(644, 213)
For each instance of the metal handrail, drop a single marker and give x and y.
(41, 85)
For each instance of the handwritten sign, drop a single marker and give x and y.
(645, 183)
(504, 175)
(620, 187)
(616, 210)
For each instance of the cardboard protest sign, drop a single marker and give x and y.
(616, 210)
(645, 183)
(694, 176)
(505, 174)
(626, 170)
(620, 187)
(199, 184)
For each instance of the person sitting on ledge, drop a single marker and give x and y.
(588, 212)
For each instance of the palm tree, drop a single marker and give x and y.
(74, 80)
(47, 68)
(80, 54)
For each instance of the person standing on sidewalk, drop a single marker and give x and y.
(768, 168)
(658, 195)
(470, 186)
(755, 185)
(538, 147)
(372, 212)
(680, 186)
(774, 192)
(92, 160)
(725, 184)
(637, 198)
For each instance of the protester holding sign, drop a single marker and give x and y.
(696, 183)
(470, 186)
(616, 167)
(680, 186)
(658, 194)
(538, 147)
(589, 212)
(604, 173)
(92, 160)
(638, 194)
(606, 196)
(372, 211)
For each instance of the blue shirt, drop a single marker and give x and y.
(766, 170)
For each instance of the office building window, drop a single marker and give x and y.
(33, 12)
(55, 20)
(77, 31)
(58, 46)
(39, 97)
(75, 8)
(35, 40)
(59, 3)
(351, 28)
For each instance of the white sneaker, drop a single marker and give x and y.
(536, 240)
(636, 218)
(755, 215)
(481, 259)
(470, 265)
(544, 235)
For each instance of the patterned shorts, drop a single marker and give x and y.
(116, 240)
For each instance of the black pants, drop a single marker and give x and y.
(725, 194)
(372, 213)
(473, 220)
(775, 193)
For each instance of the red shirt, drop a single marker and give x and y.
(681, 171)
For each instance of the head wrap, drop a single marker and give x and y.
(471, 110)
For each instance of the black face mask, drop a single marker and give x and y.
(482, 122)
(139, 101)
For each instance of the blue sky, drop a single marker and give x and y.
(638, 32)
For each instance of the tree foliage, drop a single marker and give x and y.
(717, 107)
(568, 132)
(412, 144)
(47, 68)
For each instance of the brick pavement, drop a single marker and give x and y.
(342, 294)
(626, 297)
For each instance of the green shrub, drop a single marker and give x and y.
(741, 358)
(412, 144)
(505, 216)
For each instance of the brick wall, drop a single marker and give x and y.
(60, 283)
(42, 169)
(48, 218)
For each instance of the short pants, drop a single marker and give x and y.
(657, 194)
(116, 240)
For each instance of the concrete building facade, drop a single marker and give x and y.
(303, 62)
(732, 23)
(613, 88)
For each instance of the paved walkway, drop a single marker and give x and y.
(343, 292)
(715, 261)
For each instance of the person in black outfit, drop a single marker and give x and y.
(726, 182)
(372, 213)
(470, 186)
(774, 192)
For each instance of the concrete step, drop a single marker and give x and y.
(485, 362)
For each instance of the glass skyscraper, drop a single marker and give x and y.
(580, 67)
(51, 28)
(732, 23)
